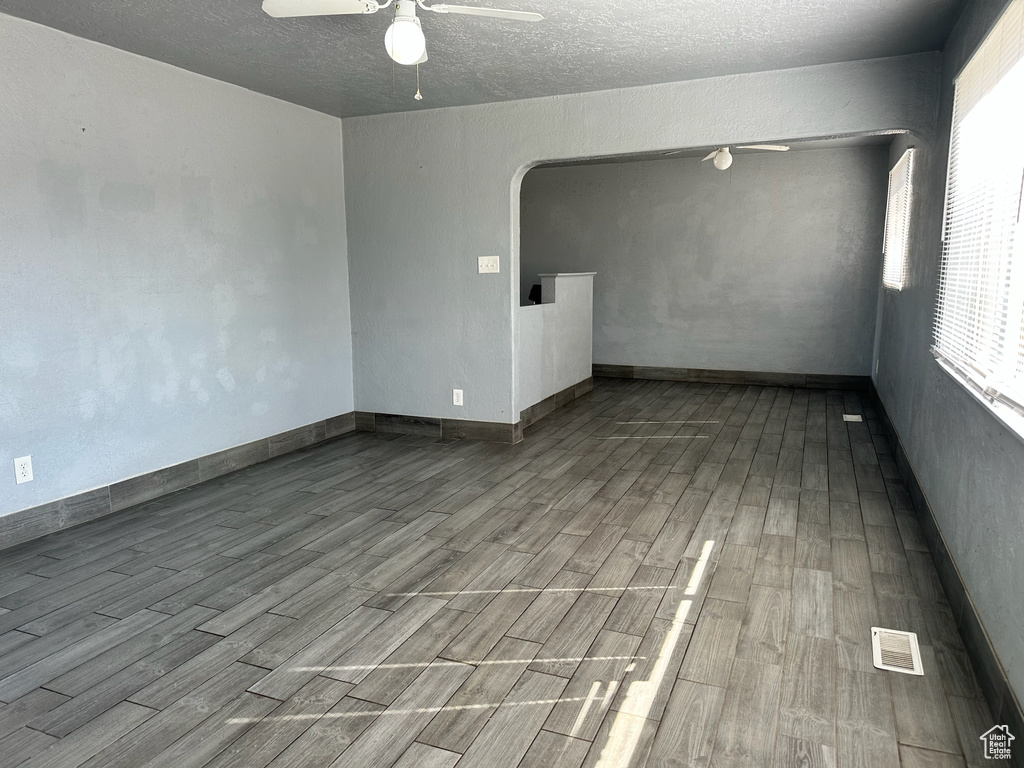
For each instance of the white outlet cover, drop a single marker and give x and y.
(456, 397)
(23, 469)
(488, 265)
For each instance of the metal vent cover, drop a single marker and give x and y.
(896, 651)
(852, 417)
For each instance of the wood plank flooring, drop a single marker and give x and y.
(661, 574)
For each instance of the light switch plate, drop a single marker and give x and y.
(488, 265)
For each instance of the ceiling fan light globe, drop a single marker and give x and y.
(404, 41)
(723, 159)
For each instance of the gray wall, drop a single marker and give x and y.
(429, 192)
(772, 265)
(174, 266)
(555, 340)
(971, 468)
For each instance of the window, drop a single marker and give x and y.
(979, 321)
(897, 222)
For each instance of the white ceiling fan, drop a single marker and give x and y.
(722, 157)
(404, 40)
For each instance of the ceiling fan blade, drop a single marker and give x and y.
(496, 13)
(715, 152)
(285, 9)
(766, 147)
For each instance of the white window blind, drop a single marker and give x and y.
(897, 222)
(979, 321)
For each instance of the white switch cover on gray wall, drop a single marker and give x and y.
(488, 264)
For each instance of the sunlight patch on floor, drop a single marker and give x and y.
(627, 727)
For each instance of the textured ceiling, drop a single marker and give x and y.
(338, 65)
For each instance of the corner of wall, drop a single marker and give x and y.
(346, 339)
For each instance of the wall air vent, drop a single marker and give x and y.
(896, 651)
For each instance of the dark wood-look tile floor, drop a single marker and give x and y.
(661, 574)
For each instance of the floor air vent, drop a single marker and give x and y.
(853, 417)
(896, 651)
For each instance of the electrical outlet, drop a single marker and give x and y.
(488, 265)
(456, 397)
(23, 469)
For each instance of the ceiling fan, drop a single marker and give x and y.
(404, 40)
(722, 158)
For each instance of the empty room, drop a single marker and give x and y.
(394, 384)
